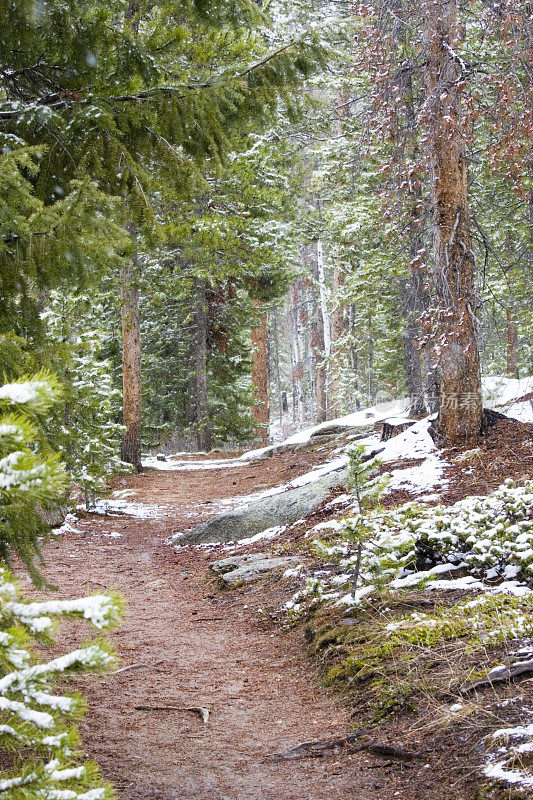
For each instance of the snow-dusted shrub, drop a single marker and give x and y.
(32, 717)
(490, 537)
(28, 477)
(479, 538)
(37, 736)
(84, 427)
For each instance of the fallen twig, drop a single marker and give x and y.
(202, 712)
(137, 666)
(131, 666)
(347, 744)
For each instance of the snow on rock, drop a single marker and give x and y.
(304, 480)
(358, 419)
(269, 533)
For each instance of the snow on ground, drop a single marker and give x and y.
(499, 390)
(414, 443)
(118, 507)
(171, 463)
(509, 759)
(67, 526)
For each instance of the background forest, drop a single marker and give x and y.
(258, 236)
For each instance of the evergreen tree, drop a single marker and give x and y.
(118, 96)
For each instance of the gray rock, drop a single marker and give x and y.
(249, 567)
(279, 509)
(334, 429)
(320, 438)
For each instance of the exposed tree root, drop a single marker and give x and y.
(346, 744)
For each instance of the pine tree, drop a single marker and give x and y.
(460, 410)
(83, 424)
(118, 97)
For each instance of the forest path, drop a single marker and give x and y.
(192, 647)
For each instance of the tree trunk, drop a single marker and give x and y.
(297, 357)
(337, 331)
(275, 368)
(260, 382)
(413, 362)
(337, 324)
(512, 340)
(371, 365)
(320, 337)
(131, 365)
(203, 426)
(460, 411)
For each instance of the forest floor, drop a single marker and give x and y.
(188, 644)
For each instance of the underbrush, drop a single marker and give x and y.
(411, 606)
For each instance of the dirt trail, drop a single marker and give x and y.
(195, 648)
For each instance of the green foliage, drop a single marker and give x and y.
(368, 487)
(42, 245)
(36, 725)
(489, 538)
(168, 303)
(83, 426)
(28, 477)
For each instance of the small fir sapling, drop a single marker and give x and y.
(367, 485)
(84, 426)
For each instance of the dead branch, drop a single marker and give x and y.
(203, 713)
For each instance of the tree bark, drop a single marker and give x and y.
(203, 425)
(512, 340)
(131, 365)
(337, 323)
(320, 337)
(460, 410)
(260, 378)
(337, 330)
(413, 363)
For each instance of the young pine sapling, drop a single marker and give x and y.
(368, 486)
